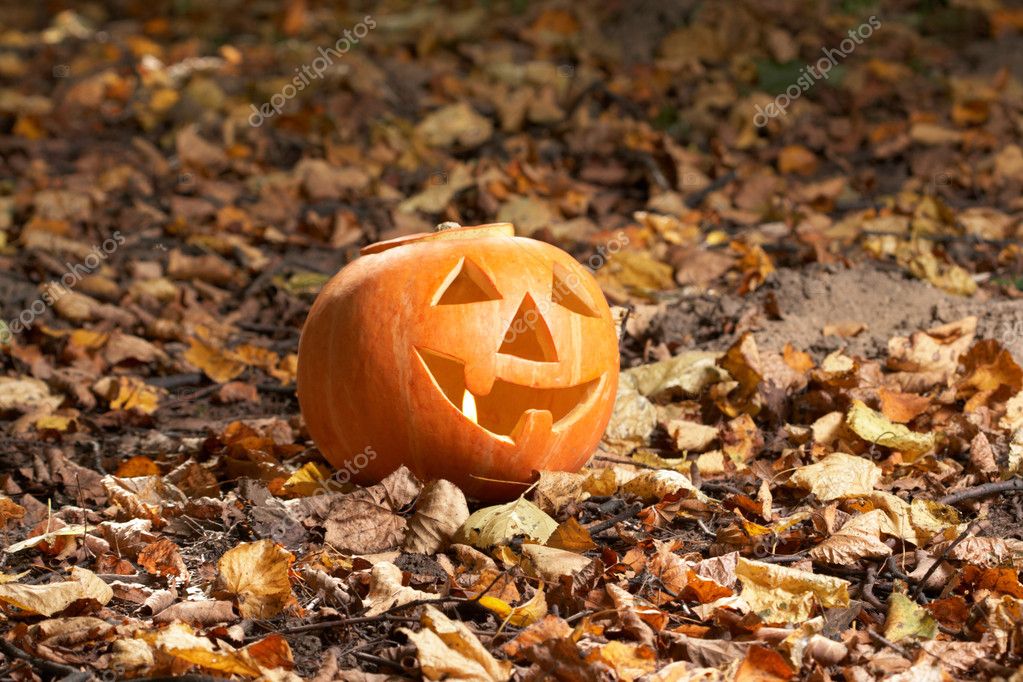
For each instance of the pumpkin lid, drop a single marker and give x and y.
(460, 232)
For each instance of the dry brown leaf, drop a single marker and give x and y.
(754, 264)
(366, 521)
(796, 158)
(761, 664)
(201, 613)
(742, 362)
(556, 489)
(930, 358)
(990, 374)
(387, 592)
(859, 538)
(780, 594)
(448, 650)
(440, 511)
(629, 660)
(10, 511)
(986, 551)
(550, 627)
(654, 486)
(456, 124)
(47, 600)
(692, 436)
(838, 476)
(256, 575)
(218, 364)
(163, 558)
(550, 563)
(26, 394)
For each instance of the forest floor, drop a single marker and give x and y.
(813, 471)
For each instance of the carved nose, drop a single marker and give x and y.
(528, 336)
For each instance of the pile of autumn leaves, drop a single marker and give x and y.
(827, 484)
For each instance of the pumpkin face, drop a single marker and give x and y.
(469, 354)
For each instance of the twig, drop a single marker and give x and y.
(867, 589)
(336, 622)
(895, 571)
(42, 664)
(618, 460)
(781, 558)
(923, 579)
(379, 660)
(984, 490)
(888, 643)
(628, 513)
(177, 380)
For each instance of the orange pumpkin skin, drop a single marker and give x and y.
(396, 337)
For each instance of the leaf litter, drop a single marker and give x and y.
(814, 465)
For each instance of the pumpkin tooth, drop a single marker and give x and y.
(469, 406)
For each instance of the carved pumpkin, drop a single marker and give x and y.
(468, 354)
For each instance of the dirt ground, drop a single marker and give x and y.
(888, 302)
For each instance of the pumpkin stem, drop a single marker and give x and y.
(446, 225)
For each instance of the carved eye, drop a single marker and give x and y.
(466, 283)
(566, 292)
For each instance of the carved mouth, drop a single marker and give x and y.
(507, 404)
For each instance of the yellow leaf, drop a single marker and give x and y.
(499, 524)
(838, 476)
(653, 486)
(571, 536)
(256, 574)
(220, 365)
(520, 616)
(53, 598)
(54, 422)
(129, 393)
(306, 481)
(908, 619)
(874, 427)
(780, 594)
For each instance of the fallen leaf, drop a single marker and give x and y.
(498, 525)
(780, 594)
(387, 592)
(858, 538)
(989, 374)
(448, 650)
(875, 428)
(455, 124)
(52, 598)
(907, 619)
(519, 616)
(902, 407)
(440, 511)
(838, 476)
(256, 575)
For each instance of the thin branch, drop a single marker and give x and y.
(984, 490)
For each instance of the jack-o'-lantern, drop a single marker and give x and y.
(467, 354)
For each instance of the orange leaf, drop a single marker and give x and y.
(902, 408)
